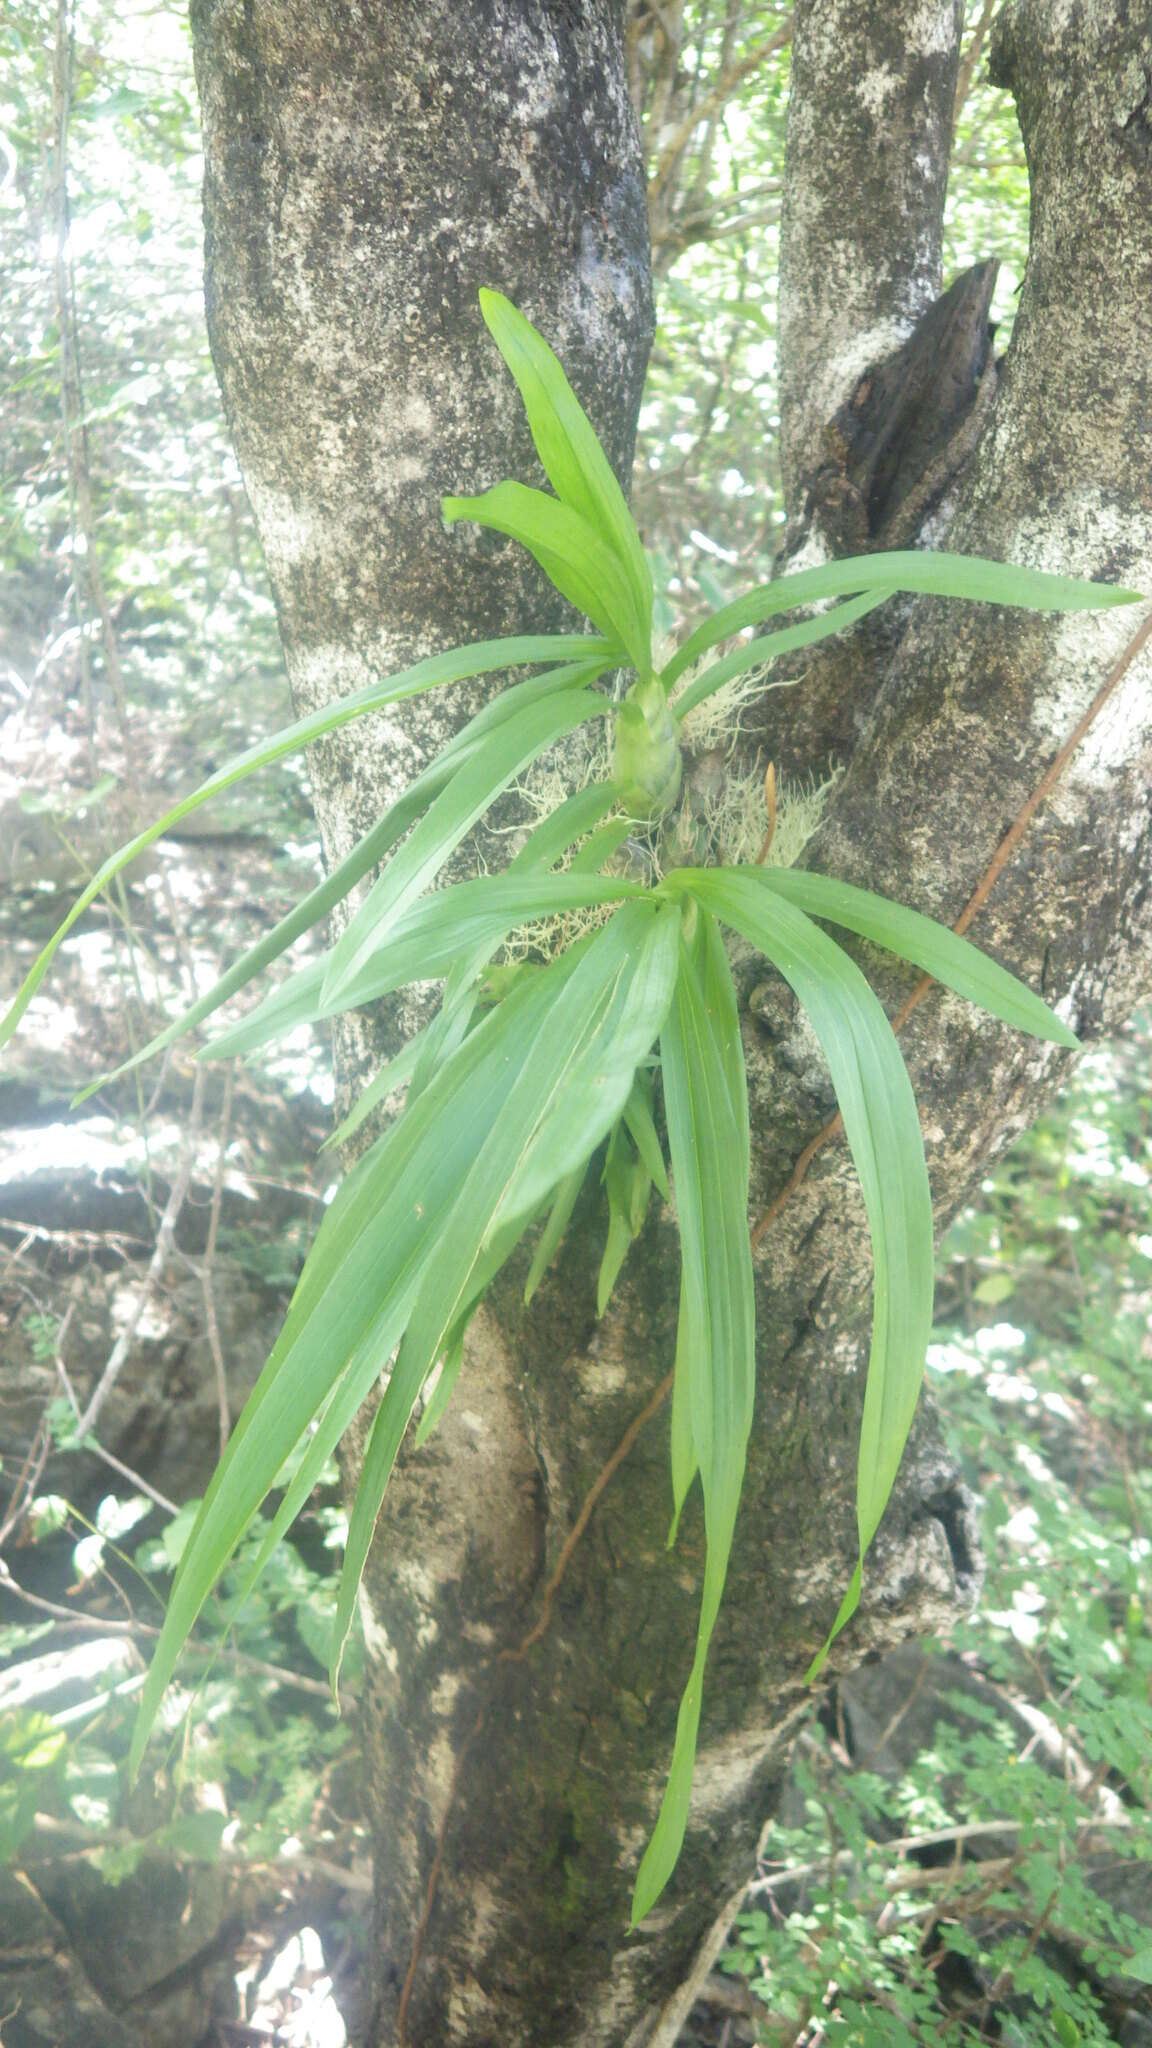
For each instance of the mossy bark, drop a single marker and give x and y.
(368, 168)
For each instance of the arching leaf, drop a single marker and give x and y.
(572, 555)
(481, 658)
(715, 1354)
(883, 1132)
(937, 575)
(573, 460)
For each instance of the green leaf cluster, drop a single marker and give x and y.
(509, 1099)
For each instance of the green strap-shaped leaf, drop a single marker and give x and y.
(628, 1185)
(920, 939)
(937, 575)
(467, 921)
(504, 755)
(295, 1002)
(717, 1354)
(545, 844)
(600, 847)
(481, 658)
(639, 1122)
(383, 1084)
(573, 557)
(445, 1386)
(719, 996)
(572, 1060)
(353, 1300)
(550, 840)
(470, 920)
(754, 653)
(883, 1132)
(720, 1000)
(600, 1081)
(682, 1448)
(573, 460)
(642, 1130)
(351, 1391)
(364, 856)
(552, 1235)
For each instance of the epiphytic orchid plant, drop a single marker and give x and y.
(523, 1075)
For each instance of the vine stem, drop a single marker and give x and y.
(657, 1398)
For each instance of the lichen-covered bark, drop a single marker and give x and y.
(367, 169)
(880, 375)
(869, 131)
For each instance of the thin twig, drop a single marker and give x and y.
(305, 1866)
(96, 1448)
(911, 1845)
(433, 1883)
(607, 1472)
(970, 60)
(95, 1624)
(164, 1240)
(713, 100)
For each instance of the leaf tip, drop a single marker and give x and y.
(643, 1900)
(817, 1664)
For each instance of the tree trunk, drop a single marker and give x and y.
(367, 169)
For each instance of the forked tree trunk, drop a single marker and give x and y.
(368, 168)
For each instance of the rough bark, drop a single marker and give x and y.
(884, 380)
(869, 131)
(367, 170)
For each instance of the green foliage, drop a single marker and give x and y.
(251, 1779)
(511, 1096)
(1024, 1917)
(31, 1749)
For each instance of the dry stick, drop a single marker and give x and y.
(515, 1656)
(824, 1137)
(164, 1240)
(433, 1882)
(88, 1843)
(916, 1876)
(28, 1477)
(108, 1458)
(651, 1407)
